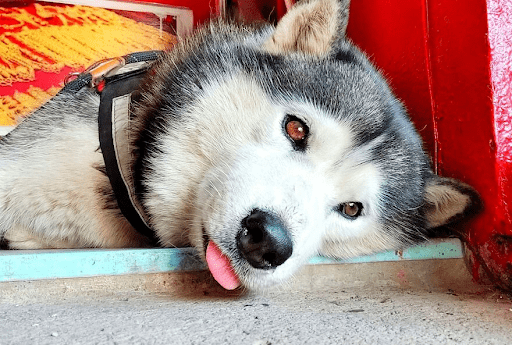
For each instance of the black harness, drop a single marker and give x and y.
(116, 79)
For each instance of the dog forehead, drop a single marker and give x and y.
(326, 82)
(344, 87)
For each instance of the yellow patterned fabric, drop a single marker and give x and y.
(22, 103)
(32, 41)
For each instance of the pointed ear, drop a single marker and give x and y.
(448, 200)
(310, 27)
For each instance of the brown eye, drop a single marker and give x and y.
(351, 209)
(297, 131)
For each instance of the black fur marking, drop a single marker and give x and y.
(4, 244)
(368, 134)
(105, 190)
(206, 239)
(346, 56)
(101, 168)
(198, 84)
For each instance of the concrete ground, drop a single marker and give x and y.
(401, 303)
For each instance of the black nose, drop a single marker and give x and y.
(263, 240)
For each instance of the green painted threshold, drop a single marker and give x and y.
(50, 264)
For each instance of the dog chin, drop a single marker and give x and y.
(261, 280)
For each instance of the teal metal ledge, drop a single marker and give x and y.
(50, 264)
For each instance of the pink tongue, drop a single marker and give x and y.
(221, 268)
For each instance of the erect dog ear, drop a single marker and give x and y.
(448, 200)
(310, 27)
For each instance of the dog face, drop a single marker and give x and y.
(284, 143)
(291, 165)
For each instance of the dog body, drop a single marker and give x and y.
(269, 144)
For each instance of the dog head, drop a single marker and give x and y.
(263, 147)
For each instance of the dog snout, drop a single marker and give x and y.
(263, 240)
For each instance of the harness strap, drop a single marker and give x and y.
(122, 77)
(105, 68)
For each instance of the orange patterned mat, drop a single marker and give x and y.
(40, 40)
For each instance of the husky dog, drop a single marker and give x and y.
(260, 147)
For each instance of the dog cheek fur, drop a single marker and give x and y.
(211, 131)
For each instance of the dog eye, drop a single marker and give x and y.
(351, 209)
(296, 130)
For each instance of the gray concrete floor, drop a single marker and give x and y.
(92, 311)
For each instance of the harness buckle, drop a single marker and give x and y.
(103, 68)
(98, 70)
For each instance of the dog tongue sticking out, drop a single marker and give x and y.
(220, 267)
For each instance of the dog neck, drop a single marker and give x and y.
(116, 82)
